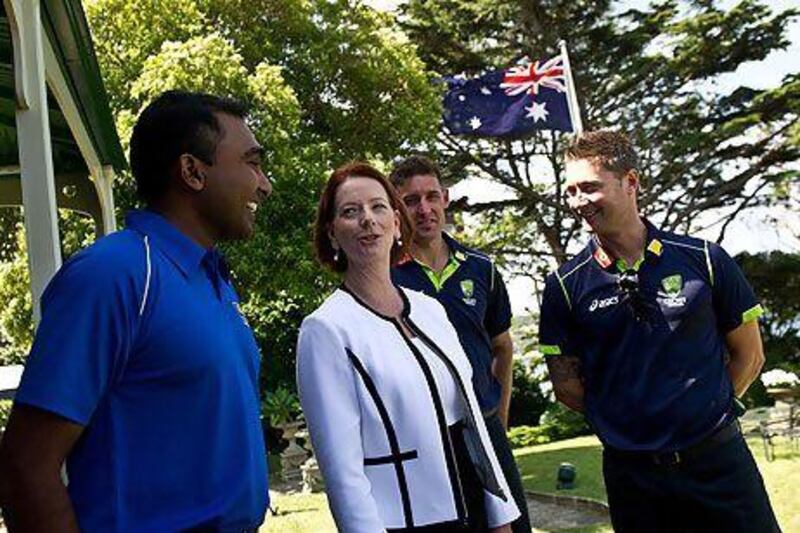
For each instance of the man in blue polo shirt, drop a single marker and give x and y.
(474, 296)
(654, 336)
(143, 375)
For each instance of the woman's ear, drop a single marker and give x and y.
(332, 238)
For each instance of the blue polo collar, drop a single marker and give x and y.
(653, 249)
(186, 254)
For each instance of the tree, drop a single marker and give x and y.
(327, 81)
(775, 278)
(650, 72)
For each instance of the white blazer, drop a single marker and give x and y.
(376, 421)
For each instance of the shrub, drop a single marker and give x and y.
(522, 436)
(558, 423)
(280, 406)
(564, 423)
(528, 402)
(5, 410)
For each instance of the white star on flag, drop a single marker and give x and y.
(485, 90)
(475, 123)
(537, 112)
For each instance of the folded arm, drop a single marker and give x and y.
(565, 375)
(746, 356)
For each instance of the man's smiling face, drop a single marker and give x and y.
(600, 197)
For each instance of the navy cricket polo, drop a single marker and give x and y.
(474, 296)
(656, 383)
(143, 344)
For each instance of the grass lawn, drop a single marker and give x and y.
(538, 465)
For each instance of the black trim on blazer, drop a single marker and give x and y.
(449, 453)
(487, 475)
(391, 436)
(404, 313)
(386, 459)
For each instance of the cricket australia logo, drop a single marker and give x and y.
(468, 290)
(670, 295)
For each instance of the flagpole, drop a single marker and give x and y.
(572, 95)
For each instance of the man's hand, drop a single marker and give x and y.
(565, 375)
(32, 496)
(746, 356)
(502, 369)
(506, 528)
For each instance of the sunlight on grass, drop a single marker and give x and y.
(299, 513)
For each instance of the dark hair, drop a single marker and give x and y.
(175, 123)
(327, 207)
(415, 165)
(612, 149)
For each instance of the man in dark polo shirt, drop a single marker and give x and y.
(654, 336)
(474, 296)
(143, 375)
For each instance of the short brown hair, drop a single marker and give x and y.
(415, 165)
(611, 149)
(326, 212)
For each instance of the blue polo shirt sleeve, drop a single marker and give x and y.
(555, 321)
(498, 307)
(733, 297)
(89, 315)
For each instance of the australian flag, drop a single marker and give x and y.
(509, 103)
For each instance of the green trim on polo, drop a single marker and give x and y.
(549, 349)
(622, 265)
(438, 279)
(753, 313)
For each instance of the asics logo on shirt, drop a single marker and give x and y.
(605, 302)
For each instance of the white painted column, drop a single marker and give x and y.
(33, 139)
(103, 178)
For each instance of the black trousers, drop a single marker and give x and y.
(720, 490)
(509, 466)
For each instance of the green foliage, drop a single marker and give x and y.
(523, 436)
(5, 410)
(327, 82)
(280, 406)
(775, 278)
(557, 423)
(528, 402)
(650, 71)
(564, 423)
(16, 327)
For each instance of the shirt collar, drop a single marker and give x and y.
(186, 254)
(653, 249)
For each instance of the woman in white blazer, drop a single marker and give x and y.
(385, 385)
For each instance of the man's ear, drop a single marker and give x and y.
(191, 173)
(446, 197)
(632, 180)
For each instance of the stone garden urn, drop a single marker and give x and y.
(294, 455)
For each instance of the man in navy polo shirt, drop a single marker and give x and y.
(143, 375)
(474, 296)
(654, 336)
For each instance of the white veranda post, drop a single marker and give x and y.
(33, 139)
